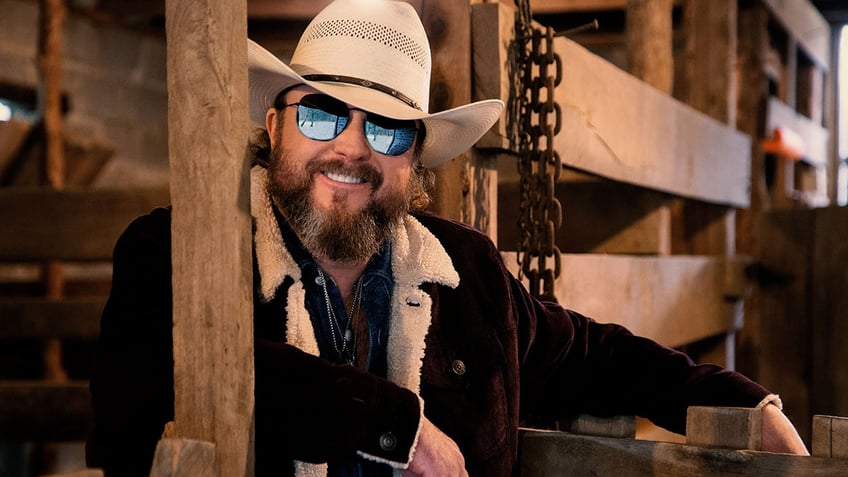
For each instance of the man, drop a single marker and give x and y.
(388, 341)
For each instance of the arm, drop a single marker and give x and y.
(779, 435)
(132, 384)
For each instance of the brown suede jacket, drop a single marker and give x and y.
(466, 340)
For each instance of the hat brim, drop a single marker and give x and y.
(449, 133)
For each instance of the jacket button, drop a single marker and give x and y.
(388, 442)
(458, 367)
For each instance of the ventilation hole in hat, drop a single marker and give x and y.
(369, 31)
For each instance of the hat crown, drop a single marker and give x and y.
(375, 41)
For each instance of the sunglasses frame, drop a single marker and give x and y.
(335, 106)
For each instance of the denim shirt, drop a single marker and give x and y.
(377, 284)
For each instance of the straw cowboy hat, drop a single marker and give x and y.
(373, 55)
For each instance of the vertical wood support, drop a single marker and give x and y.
(707, 82)
(830, 437)
(448, 23)
(649, 42)
(751, 120)
(52, 17)
(493, 30)
(211, 231)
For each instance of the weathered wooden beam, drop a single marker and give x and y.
(211, 229)
(830, 437)
(807, 25)
(648, 298)
(599, 216)
(492, 31)
(617, 127)
(828, 313)
(588, 425)
(558, 453)
(649, 48)
(44, 318)
(814, 135)
(80, 473)
(725, 427)
(73, 224)
(448, 26)
(705, 76)
(44, 411)
(176, 457)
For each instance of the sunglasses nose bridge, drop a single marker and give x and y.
(351, 141)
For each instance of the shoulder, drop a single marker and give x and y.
(455, 234)
(149, 231)
(466, 246)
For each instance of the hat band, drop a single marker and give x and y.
(368, 84)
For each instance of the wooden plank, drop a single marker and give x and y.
(211, 244)
(77, 318)
(617, 127)
(674, 300)
(73, 224)
(587, 425)
(44, 411)
(184, 457)
(491, 52)
(634, 220)
(830, 437)
(448, 27)
(649, 43)
(79, 473)
(814, 136)
(828, 312)
(784, 277)
(807, 25)
(725, 427)
(558, 453)
(705, 75)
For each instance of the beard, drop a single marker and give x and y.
(336, 234)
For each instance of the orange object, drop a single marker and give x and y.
(785, 143)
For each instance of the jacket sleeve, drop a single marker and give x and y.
(572, 364)
(310, 410)
(132, 383)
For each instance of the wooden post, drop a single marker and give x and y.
(448, 26)
(725, 427)
(649, 42)
(211, 231)
(830, 437)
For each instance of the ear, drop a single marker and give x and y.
(271, 124)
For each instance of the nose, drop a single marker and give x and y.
(351, 143)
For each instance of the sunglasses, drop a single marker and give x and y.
(322, 118)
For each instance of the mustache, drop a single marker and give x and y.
(365, 171)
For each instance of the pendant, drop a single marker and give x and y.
(348, 336)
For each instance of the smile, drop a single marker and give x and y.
(344, 178)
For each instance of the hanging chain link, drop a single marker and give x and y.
(536, 119)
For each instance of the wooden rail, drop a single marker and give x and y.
(71, 224)
(44, 411)
(719, 442)
(45, 318)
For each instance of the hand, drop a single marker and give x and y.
(436, 455)
(779, 435)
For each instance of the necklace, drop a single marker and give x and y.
(348, 346)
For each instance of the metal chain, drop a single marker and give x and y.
(538, 70)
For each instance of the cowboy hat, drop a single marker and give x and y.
(373, 55)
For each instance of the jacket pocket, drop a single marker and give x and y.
(464, 393)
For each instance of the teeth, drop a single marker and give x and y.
(343, 178)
